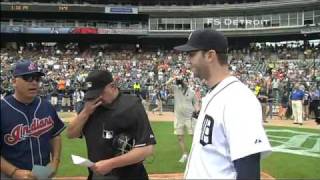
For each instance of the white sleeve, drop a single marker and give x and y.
(244, 129)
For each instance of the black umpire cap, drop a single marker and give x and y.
(96, 82)
(205, 40)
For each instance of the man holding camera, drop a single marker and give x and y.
(185, 106)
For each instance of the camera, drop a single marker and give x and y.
(195, 114)
(179, 82)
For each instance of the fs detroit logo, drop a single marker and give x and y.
(37, 128)
(295, 142)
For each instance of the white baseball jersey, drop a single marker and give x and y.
(229, 127)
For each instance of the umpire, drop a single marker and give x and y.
(116, 128)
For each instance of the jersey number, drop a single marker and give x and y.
(206, 130)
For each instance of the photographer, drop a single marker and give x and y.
(185, 107)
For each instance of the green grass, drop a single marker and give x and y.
(309, 143)
(289, 166)
(275, 144)
(283, 134)
(74, 146)
(294, 128)
(167, 154)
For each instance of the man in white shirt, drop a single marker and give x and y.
(185, 104)
(229, 138)
(78, 97)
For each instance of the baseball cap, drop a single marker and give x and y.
(96, 81)
(205, 40)
(25, 67)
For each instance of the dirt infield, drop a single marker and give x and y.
(180, 176)
(169, 116)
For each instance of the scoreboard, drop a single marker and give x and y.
(16, 7)
(50, 8)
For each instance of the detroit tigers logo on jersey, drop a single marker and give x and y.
(206, 131)
(37, 128)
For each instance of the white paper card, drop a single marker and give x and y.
(42, 172)
(81, 161)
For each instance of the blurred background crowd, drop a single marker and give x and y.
(273, 72)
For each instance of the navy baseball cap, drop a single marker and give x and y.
(25, 67)
(205, 40)
(95, 82)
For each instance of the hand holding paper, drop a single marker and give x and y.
(81, 161)
(42, 172)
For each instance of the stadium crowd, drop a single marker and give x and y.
(274, 73)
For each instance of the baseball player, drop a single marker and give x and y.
(185, 104)
(111, 121)
(30, 127)
(229, 138)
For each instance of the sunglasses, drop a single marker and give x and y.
(30, 77)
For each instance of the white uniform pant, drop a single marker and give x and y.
(54, 100)
(297, 111)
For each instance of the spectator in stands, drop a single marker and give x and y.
(296, 102)
(154, 67)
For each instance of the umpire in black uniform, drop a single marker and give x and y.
(116, 128)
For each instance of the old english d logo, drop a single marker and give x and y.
(206, 130)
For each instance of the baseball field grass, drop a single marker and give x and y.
(296, 155)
